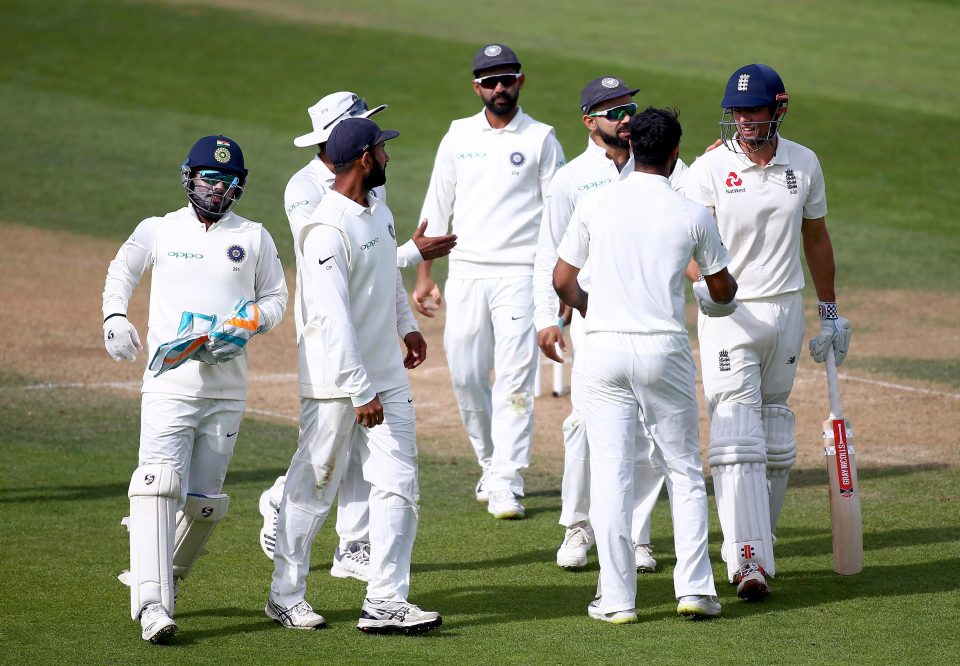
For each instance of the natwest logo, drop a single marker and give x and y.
(733, 180)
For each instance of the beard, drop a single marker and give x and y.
(612, 140)
(506, 106)
(376, 177)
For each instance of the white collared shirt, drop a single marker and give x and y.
(352, 302)
(195, 269)
(585, 174)
(640, 235)
(304, 191)
(491, 182)
(760, 211)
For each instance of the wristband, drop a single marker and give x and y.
(560, 324)
(115, 314)
(827, 310)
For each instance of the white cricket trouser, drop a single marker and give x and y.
(653, 375)
(195, 436)
(575, 486)
(489, 327)
(749, 358)
(388, 455)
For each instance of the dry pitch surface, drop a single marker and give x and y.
(53, 283)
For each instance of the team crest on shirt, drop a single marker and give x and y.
(791, 181)
(724, 365)
(236, 254)
(517, 158)
(393, 234)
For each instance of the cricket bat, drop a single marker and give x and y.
(845, 518)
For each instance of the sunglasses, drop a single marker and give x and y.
(616, 113)
(491, 82)
(358, 107)
(212, 177)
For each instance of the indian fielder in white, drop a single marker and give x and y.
(305, 190)
(354, 392)
(768, 195)
(205, 259)
(607, 106)
(640, 236)
(490, 175)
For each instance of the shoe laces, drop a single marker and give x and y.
(502, 496)
(747, 569)
(359, 553)
(576, 537)
(302, 608)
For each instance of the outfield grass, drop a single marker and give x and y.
(68, 457)
(95, 129)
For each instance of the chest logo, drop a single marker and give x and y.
(236, 254)
(517, 158)
(595, 184)
(791, 181)
(724, 365)
(184, 255)
(370, 243)
(733, 180)
(393, 234)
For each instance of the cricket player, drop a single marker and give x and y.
(767, 195)
(490, 175)
(640, 236)
(205, 260)
(607, 106)
(305, 190)
(354, 392)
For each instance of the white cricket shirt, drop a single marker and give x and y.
(352, 302)
(589, 172)
(760, 211)
(640, 235)
(491, 182)
(203, 271)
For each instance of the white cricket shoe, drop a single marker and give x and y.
(644, 555)
(396, 617)
(615, 617)
(578, 539)
(271, 516)
(353, 562)
(482, 493)
(299, 616)
(504, 504)
(696, 606)
(751, 581)
(157, 626)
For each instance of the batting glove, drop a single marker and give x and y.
(834, 331)
(120, 338)
(229, 339)
(707, 305)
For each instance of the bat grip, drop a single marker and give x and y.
(833, 386)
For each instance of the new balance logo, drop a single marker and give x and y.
(724, 360)
(791, 360)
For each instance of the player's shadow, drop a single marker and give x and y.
(809, 542)
(509, 560)
(817, 476)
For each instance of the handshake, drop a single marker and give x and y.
(198, 338)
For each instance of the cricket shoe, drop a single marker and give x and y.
(644, 555)
(299, 616)
(483, 494)
(504, 504)
(615, 617)
(271, 516)
(396, 617)
(751, 582)
(578, 539)
(353, 562)
(698, 606)
(157, 626)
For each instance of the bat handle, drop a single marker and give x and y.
(833, 386)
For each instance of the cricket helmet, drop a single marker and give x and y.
(753, 86)
(214, 160)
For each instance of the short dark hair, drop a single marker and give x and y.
(654, 133)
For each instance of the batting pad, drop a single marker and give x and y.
(736, 435)
(742, 504)
(154, 493)
(778, 425)
(195, 524)
(192, 334)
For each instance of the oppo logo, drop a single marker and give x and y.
(369, 244)
(595, 184)
(470, 156)
(184, 255)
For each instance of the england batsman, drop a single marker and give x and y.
(205, 259)
(768, 197)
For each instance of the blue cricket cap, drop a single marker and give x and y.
(216, 152)
(752, 86)
(352, 137)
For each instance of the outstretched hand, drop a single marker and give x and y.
(433, 247)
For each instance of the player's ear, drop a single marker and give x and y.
(476, 88)
(589, 123)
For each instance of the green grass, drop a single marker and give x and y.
(944, 371)
(69, 454)
(95, 130)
